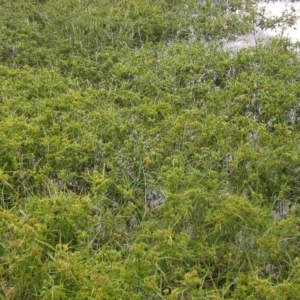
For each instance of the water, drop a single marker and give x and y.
(271, 9)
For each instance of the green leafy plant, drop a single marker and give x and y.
(140, 161)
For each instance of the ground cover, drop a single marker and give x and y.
(138, 160)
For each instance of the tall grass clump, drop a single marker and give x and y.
(138, 160)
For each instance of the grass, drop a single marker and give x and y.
(138, 164)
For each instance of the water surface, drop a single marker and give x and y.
(271, 9)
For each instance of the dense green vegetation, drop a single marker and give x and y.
(108, 107)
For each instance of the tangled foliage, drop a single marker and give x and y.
(140, 161)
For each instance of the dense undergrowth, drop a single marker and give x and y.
(109, 108)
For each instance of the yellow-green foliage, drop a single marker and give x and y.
(105, 104)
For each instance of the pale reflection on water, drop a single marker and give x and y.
(271, 9)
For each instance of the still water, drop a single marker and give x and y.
(271, 9)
